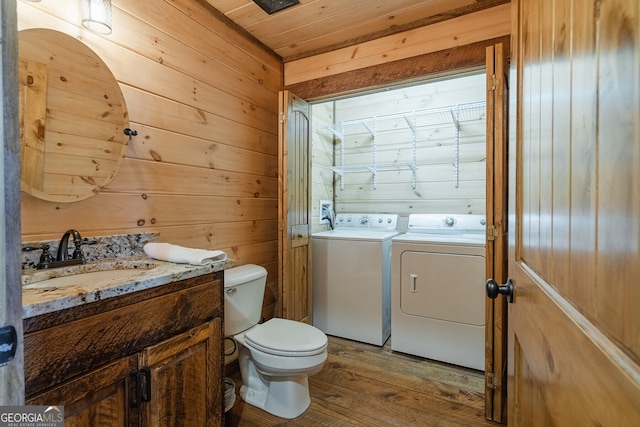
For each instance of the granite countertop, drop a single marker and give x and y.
(43, 292)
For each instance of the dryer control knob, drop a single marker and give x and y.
(449, 221)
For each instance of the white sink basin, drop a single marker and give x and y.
(90, 278)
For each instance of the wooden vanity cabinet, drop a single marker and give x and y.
(150, 358)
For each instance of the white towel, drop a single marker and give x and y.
(182, 255)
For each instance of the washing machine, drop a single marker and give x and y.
(351, 275)
(438, 289)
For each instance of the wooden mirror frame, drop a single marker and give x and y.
(72, 118)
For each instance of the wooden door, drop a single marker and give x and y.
(574, 215)
(496, 256)
(294, 208)
(185, 379)
(12, 371)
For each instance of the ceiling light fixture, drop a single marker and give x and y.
(273, 6)
(96, 16)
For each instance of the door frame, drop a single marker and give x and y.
(496, 214)
(12, 373)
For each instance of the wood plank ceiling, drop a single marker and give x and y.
(317, 26)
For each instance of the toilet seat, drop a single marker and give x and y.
(282, 337)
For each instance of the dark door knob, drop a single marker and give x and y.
(493, 289)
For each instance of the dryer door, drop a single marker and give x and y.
(447, 287)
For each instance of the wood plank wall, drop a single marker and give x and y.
(203, 169)
(435, 190)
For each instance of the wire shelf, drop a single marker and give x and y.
(444, 116)
(410, 120)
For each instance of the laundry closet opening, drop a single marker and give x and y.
(395, 157)
(410, 149)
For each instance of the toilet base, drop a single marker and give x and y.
(285, 396)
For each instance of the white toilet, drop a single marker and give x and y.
(275, 357)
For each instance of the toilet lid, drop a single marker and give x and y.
(286, 337)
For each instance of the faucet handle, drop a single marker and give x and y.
(77, 251)
(45, 256)
(35, 248)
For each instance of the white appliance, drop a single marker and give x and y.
(352, 277)
(438, 289)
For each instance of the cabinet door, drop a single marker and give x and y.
(185, 379)
(98, 398)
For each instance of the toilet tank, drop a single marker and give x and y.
(243, 296)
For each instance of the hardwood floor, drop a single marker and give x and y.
(365, 385)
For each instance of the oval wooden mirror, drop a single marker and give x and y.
(72, 118)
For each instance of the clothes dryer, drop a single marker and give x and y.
(351, 275)
(438, 289)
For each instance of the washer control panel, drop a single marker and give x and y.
(377, 221)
